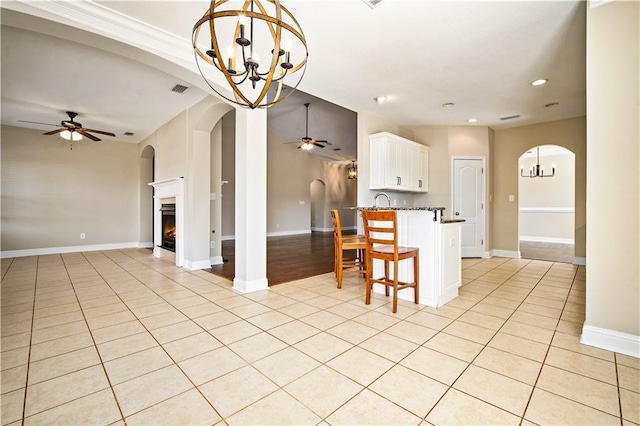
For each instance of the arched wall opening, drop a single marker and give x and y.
(546, 205)
(147, 175)
(317, 194)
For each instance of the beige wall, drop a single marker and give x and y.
(510, 144)
(51, 194)
(613, 180)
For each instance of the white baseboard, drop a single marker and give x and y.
(506, 253)
(548, 240)
(316, 229)
(146, 245)
(216, 260)
(227, 237)
(623, 343)
(580, 261)
(71, 249)
(250, 286)
(283, 233)
(194, 265)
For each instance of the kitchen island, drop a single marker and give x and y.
(440, 257)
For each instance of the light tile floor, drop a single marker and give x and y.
(120, 337)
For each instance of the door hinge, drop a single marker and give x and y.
(482, 170)
(481, 242)
(481, 205)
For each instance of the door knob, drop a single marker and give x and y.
(457, 213)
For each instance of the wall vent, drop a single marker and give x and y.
(510, 117)
(179, 88)
(372, 3)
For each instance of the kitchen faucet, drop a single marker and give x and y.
(375, 199)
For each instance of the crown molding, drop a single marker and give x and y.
(95, 18)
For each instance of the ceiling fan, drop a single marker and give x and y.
(306, 142)
(72, 130)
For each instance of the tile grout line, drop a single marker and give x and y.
(159, 344)
(33, 313)
(93, 340)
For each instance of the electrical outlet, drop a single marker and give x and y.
(512, 198)
(213, 244)
(82, 236)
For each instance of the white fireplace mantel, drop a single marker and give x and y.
(169, 188)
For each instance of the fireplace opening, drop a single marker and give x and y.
(168, 227)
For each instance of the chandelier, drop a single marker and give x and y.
(255, 47)
(352, 172)
(537, 170)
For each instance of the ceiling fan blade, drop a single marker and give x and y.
(37, 122)
(53, 132)
(98, 131)
(88, 135)
(322, 141)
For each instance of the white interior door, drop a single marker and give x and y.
(468, 204)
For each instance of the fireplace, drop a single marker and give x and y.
(168, 241)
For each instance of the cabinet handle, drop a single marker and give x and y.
(419, 183)
(398, 180)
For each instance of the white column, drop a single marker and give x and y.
(251, 200)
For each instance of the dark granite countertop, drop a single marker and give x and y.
(429, 209)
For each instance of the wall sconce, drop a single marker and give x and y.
(352, 172)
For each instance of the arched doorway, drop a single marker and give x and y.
(317, 190)
(547, 204)
(147, 175)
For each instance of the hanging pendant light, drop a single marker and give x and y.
(537, 170)
(352, 172)
(260, 29)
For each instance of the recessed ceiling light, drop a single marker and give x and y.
(472, 120)
(448, 105)
(552, 104)
(539, 82)
(380, 99)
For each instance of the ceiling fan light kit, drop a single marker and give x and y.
(72, 130)
(238, 38)
(308, 143)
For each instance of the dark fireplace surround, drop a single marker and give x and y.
(168, 227)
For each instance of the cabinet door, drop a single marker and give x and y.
(423, 179)
(377, 164)
(419, 159)
(392, 178)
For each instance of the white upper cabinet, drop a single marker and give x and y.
(398, 164)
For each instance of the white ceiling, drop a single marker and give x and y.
(480, 55)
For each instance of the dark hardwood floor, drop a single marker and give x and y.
(289, 258)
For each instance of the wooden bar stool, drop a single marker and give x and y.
(344, 243)
(381, 238)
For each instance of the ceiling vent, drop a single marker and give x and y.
(179, 88)
(510, 117)
(336, 149)
(372, 3)
(128, 133)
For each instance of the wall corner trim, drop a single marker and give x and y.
(216, 260)
(514, 254)
(250, 286)
(195, 265)
(623, 343)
